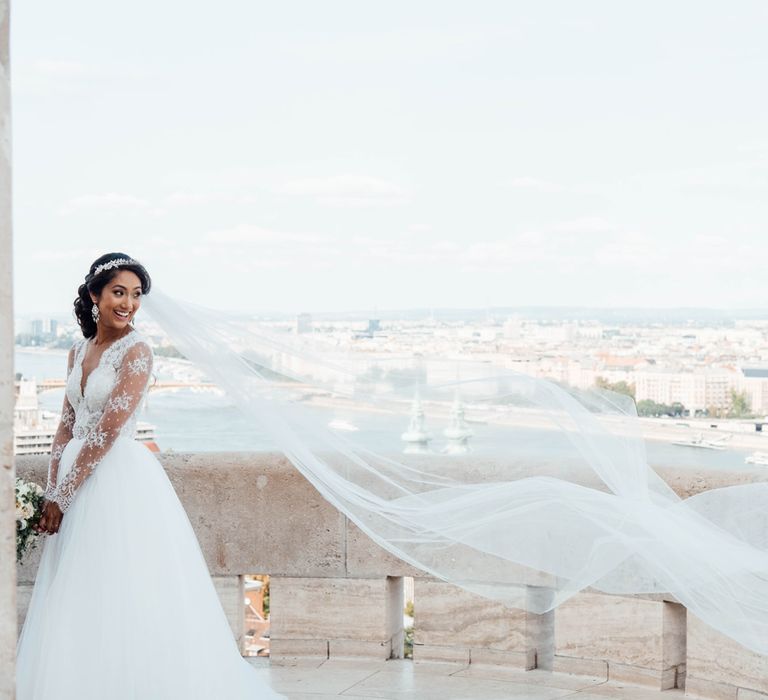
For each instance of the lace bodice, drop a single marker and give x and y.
(103, 412)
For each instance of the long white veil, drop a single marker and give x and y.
(563, 500)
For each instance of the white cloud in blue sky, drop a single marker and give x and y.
(338, 155)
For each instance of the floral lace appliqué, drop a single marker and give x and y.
(68, 417)
(140, 365)
(96, 438)
(121, 402)
(107, 412)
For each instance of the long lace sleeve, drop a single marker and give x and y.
(126, 395)
(63, 434)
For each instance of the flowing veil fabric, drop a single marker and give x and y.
(563, 500)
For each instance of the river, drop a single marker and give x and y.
(195, 420)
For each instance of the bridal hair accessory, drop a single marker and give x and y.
(95, 313)
(114, 263)
(548, 494)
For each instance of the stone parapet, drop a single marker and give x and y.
(336, 593)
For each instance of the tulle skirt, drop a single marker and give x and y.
(123, 606)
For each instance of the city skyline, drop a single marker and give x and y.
(410, 156)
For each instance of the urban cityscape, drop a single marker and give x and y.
(700, 382)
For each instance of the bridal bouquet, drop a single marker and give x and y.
(29, 508)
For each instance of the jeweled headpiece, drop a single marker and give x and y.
(114, 263)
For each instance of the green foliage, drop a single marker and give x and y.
(740, 407)
(646, 407)
(266, 599)
(408, 650)
(618, 387)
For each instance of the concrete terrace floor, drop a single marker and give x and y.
(405, 680)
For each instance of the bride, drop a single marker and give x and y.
(123, 606)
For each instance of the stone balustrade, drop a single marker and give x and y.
(335, 593)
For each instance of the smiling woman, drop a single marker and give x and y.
(102, 547)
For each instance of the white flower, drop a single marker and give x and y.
(22, 523)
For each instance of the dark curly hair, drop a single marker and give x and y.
(95, 283)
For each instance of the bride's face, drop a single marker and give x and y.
(120, 300)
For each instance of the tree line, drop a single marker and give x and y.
(739, 406)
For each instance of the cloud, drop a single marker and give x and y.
(247, 233)
(347, 191)
(585, 225)
(58, 68)
(183, 199)
(63, 255)
(744, 179)
(247, 247)
(532, 183)
(107, 202)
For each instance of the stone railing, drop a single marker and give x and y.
(334, 593)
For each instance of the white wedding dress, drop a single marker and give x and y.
(123, 606)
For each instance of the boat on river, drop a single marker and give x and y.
(705, 443)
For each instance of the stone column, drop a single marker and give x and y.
(7, 504)
(231, 590)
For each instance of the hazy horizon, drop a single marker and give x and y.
(536, 313)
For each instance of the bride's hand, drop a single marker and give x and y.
(51, 518)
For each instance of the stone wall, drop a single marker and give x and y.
(335, 593)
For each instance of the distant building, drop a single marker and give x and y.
(374, 325)
(36, 328)
(40, 332)
(697, 390)
(754, 382)
(304, 323)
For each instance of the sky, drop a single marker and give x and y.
(339, 155)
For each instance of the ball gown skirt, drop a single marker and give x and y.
(123, 606)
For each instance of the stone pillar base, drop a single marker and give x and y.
(720, 668)
(335, 617)
(453, 625)
(627, 639)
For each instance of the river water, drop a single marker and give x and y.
(195, 420)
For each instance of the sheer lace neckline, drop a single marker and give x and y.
(83, 384)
